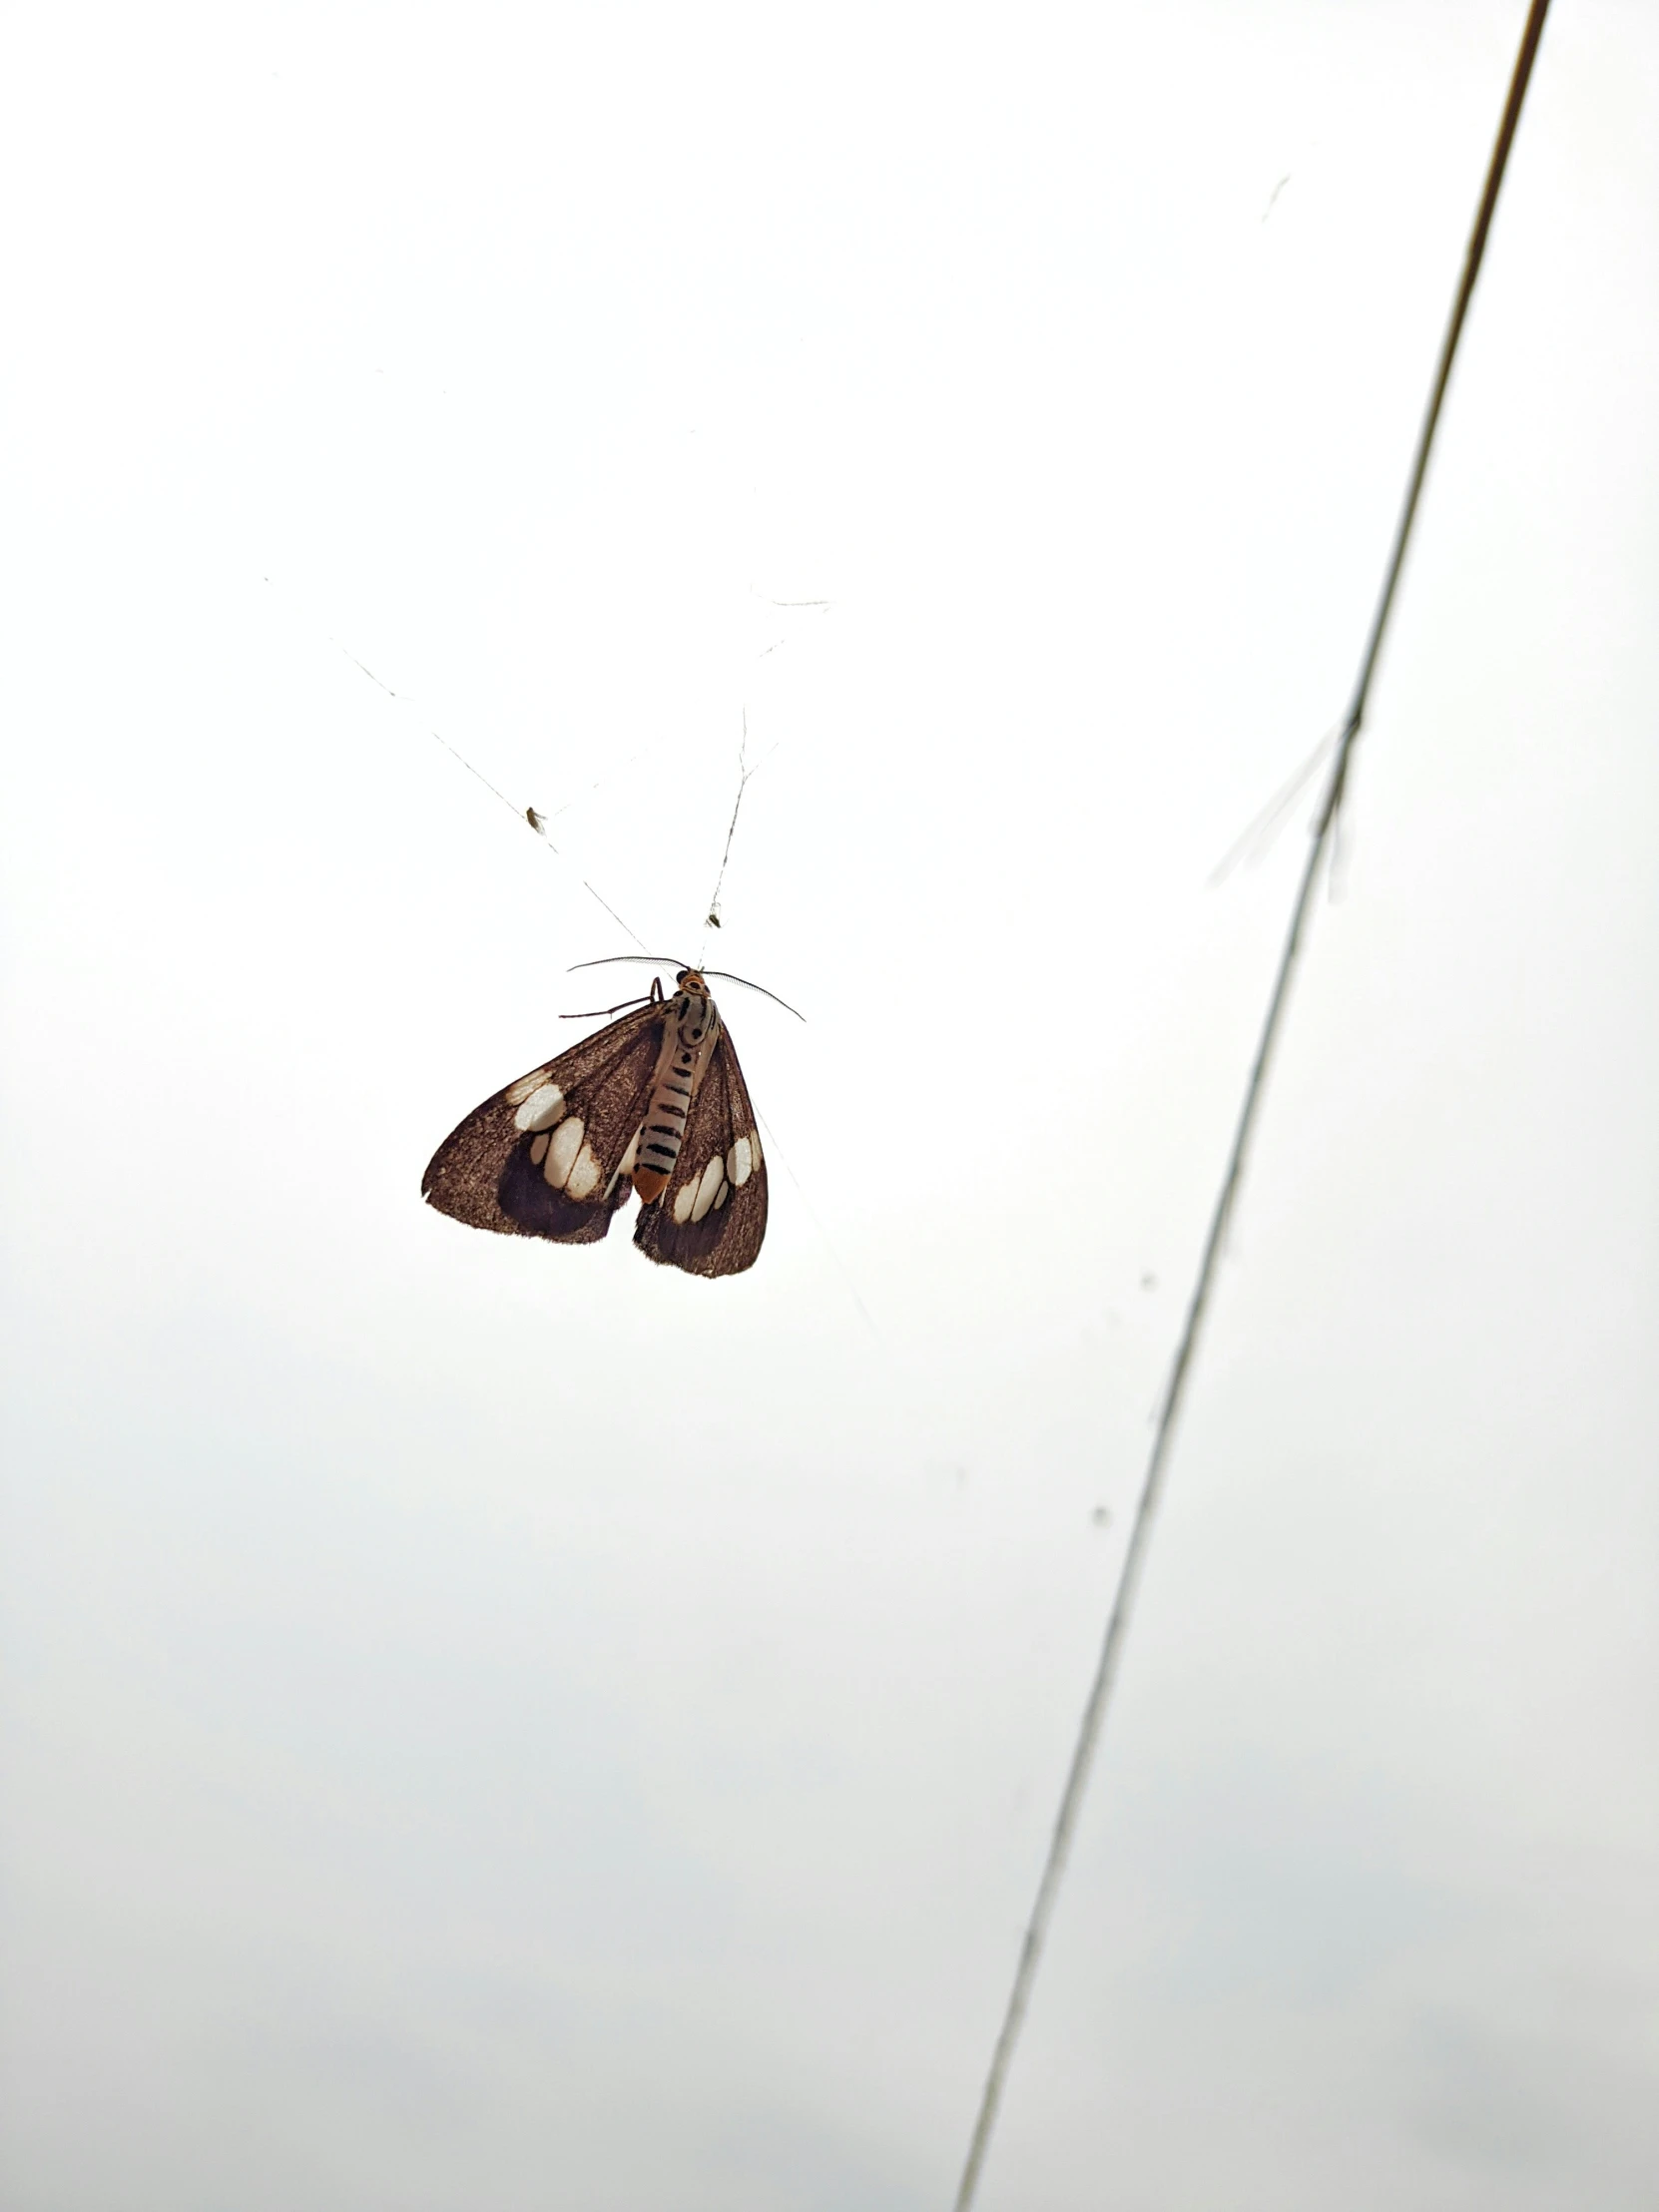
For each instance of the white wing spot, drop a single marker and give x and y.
(538, 1149)
(518, 1092)
(583, 1179)
(722, 1195)
(682, 1201)
(541, 1109)
(712, 1176)
(740, 1162)
(561, 1153)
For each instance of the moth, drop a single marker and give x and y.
(654, 1103)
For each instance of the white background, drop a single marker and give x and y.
(495, 1725)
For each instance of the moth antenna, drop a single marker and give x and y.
(724, 975)
(631, 960)
(594, 1012)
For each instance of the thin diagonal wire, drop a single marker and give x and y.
(1134, 1559)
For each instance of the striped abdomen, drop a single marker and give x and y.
(689, 1037)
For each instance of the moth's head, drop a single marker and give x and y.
(689, 980)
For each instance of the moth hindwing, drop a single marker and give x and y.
(712, 1216)
(654, 1101)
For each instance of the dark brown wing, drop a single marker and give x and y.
(549, 1155)
(713, 1216)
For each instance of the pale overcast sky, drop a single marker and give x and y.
(494, 1725)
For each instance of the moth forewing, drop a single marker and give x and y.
(539, 1159)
